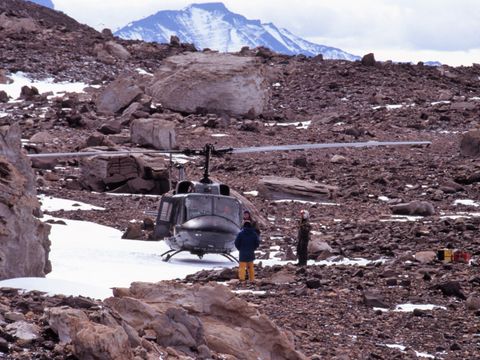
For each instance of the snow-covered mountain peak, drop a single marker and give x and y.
(213, 26)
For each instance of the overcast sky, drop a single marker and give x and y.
(401, 30)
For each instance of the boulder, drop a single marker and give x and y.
(117, 50)
(374, 299)
(189, 318)
(65, 322)
(425, 257)
(280, 188)
(317, 247)
(118, 95)
(97, 341)
(4, 79)
(414, 208)
(470, 143)
(212, 83)
(154, 132)
(24, 244)
(4, 97)
(125, 174)
(368, 60)
(473, 302)
(28, 93)
(13, 24)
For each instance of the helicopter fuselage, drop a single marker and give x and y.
(199, 222)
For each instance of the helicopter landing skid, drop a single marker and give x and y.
(171, 253)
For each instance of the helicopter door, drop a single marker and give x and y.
(164, 218)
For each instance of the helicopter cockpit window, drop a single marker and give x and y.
(212, 205)
(227, 208)
(198, 206)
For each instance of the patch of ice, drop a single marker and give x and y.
(219, 135)
(466, 202)
(402, 349)
(440, 102)
(383, 198)
(50, 203)
(47, 85)
(344, 99)
(276, 84)
(396, 346)
(401, 218)
(246, 291)
(252, 193)
(475, 98)
(143, 72)
(328, 262)
(2, 114)
(460, 215)
(392, 106)
(410, 307)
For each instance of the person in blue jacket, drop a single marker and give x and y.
(246, 242)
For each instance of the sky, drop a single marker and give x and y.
(400, 30)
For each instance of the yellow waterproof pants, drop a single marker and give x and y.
(242, 267)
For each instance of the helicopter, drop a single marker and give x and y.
(203, 217)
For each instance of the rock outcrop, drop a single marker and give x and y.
(24, 244)
(192, 318)
(215, 83)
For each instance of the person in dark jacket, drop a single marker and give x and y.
(247, 216)
(246, 242)
(303, 238)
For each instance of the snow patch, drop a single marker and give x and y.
(50, 203)
(46, 85)
(466, 202)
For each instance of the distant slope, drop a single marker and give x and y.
(46, 3)
(213, 26)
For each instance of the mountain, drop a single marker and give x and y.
(46, 3)
(213, 26)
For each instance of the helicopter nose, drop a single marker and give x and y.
(213, 224)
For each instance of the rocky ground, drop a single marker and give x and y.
(333, 311)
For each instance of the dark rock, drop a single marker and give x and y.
(3, 97)
(133, 231)
(28, 93)
(414, 208)
(313, 283)
(451, 288)
(369, 60)
(174, 41)
(470, 144)
(374, 299)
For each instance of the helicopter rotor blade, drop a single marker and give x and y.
(98, 153)
(323, 146)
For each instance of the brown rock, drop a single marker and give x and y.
(470, 143)
(369, 60)
(236, 85)
(414, 208)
